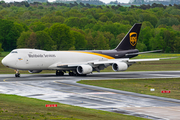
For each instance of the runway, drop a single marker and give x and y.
(64, 89)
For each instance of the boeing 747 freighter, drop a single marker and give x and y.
(77, 62)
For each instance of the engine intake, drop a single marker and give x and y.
(35, 71)
(84, 69)
(119, 66)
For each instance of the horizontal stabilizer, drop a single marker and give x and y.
(150, 59)
(143, 52)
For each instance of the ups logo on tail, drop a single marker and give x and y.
(133, 38)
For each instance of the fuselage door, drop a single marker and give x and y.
(26, 60)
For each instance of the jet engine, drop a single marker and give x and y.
(34, 71)
(84, 69)
(119, 66)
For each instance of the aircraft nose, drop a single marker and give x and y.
(4, 61)
(7, 62)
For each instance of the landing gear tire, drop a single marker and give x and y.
(59, 73)
(72, 74)
(17, 73)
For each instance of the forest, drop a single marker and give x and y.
(78, 27)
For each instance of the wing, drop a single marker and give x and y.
(99, 62)
(127, 60)
(121, 64)
(130, 61)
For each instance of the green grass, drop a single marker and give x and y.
(3, 54)
(142, 86)
(14, 107)
(162, 65)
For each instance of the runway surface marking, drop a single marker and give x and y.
(5, 79)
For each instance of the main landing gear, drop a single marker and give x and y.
(17, 73)
(59, 73)
(71, 73)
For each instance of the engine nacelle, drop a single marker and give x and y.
(34, 71)
(84, 69)
(119, 66)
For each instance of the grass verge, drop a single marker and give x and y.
(14, 107)
(142, 86)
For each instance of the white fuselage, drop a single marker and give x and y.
(33, 59)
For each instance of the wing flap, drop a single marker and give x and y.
(65, 65)
(150, 59)
(127, 60)
(111, 61)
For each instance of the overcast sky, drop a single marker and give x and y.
(105, 1)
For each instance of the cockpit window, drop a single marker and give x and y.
(14, 52)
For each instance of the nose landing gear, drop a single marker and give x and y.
(17, 73)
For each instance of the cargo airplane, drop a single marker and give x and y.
(77, 62)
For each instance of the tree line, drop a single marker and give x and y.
(80, 27)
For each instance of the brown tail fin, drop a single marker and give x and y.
(131, 38)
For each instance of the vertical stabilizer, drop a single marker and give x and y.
(131, 38)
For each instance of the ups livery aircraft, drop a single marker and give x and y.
(77, 62)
